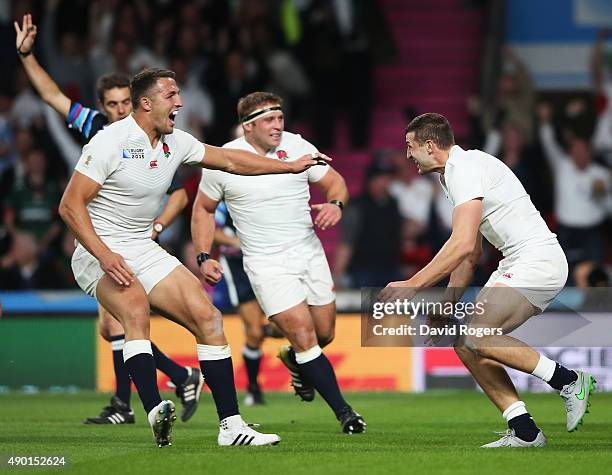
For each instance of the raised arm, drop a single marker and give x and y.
(241, 162)
(42, 82)
(553, 152)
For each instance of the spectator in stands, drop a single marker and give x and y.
(414, 196)
(515, 97)
(370, 248)
(68, 63)
(7, 152)
(197, 113)
(27, 110)
(581, 195)
(601, 75)
(31, 207)
(22, 268)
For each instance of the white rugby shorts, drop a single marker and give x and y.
(285, 279)
(147, 259)
(538, 275)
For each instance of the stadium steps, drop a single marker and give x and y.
(438, 45)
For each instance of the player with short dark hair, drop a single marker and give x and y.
(110, 205)
(282, 255)
(490, 201)
(114, 99)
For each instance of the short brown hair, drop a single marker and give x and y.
(111, 81)
(142, 83)
(434, 127)
(249, 103)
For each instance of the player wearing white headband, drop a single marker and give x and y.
(283, 257)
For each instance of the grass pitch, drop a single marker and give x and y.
(435, 432)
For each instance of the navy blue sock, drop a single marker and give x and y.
(177, 373)
(252, 364)
(219, 375)
(562, 377)
(524, 427)
(122, 379)
(141, 368)
(319, 373)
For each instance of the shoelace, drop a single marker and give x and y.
(507, 435)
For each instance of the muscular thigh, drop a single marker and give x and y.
(180, 297)
(502, 307)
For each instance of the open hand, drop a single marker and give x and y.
(25, 36)
(115, 266)
(307, 161)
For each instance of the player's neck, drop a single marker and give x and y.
(148, 128)
(260, 149)
(443, 157)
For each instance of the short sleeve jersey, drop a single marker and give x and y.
(133, 175)
(510, 221)
(90, 121)
(270, 212)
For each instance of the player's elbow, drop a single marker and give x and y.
(463, 248)
(65, 209)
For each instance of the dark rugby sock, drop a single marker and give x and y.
(122, 378)
(177, 373)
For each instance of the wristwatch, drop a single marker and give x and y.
(202, 257)
(158, 227)
(338, 203)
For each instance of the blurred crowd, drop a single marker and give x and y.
(561, 153)
(319, 55)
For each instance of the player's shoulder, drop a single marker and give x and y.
(111, 137)
(289, 139)
(239, 143)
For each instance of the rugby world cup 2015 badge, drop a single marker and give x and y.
(282, 155)
(133, 153)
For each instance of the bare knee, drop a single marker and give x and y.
(254, 335)
(207, 324)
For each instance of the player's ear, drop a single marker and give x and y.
(145, 103)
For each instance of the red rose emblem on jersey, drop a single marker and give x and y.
(166, 149)
(281, 154)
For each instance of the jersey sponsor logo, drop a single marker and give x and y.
(153, 164)
(282, 155)
(507, 275)
(134, 153)
(166, 149)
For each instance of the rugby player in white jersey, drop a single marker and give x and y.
(110, 204)
(114, 96)
(490, 201)
(283, 257)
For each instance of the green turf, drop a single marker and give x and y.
(435, 432)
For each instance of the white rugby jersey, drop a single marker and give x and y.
(270, 212)
(134, 177)
(510, 221)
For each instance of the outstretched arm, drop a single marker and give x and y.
(42, 82)
(241, 162)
